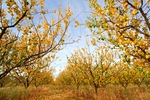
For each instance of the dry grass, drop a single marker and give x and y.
(17, 93)
(54, 92)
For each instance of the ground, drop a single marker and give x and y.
(55, 92)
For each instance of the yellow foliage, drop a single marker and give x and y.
(93, 41)
(26, 38)
(77, 23)
(134, 11)
(124, 24)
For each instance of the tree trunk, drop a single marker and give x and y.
(77, 87)
(96, 90)
(27, 83)
(1, 85)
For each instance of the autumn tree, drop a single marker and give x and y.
(75, 74)
(71, 75)
(125, 24)
(142, 74)
(5, 81)
(33, 73)
(98, 68)
(28, 32)
(43, 77)
(63, 78)
(126, 75)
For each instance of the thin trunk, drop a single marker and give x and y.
(77, 87)
(1, 85)
(96, 89)
(27, 83)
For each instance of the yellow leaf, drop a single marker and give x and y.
(147, 56)
(87, 43)
(134, 11)
(93, 41)
(77, 23)
(54, 11)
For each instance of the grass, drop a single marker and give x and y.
(55, 92)
(17, 93)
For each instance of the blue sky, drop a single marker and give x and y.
(80, 9)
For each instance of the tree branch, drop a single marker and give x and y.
(5, 28)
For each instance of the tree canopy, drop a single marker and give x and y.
(27, 33)
(125, 24)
